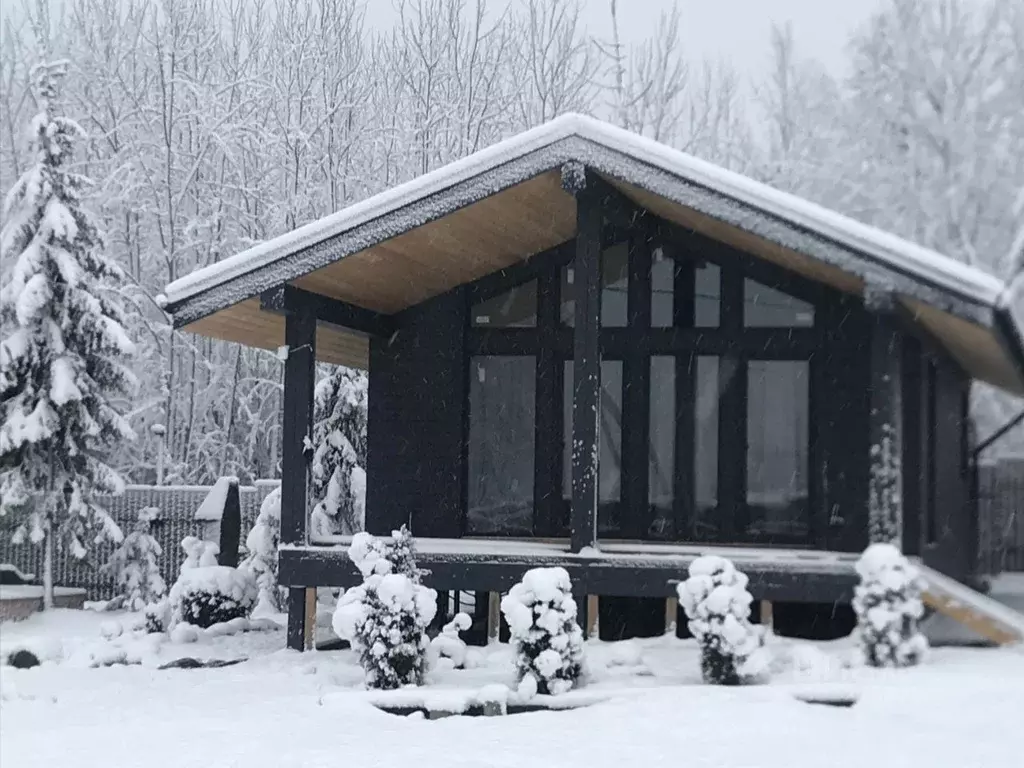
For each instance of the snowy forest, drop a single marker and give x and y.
(215, 124)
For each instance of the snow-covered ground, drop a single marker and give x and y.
(281, 708)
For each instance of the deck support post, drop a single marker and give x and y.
(493, 617)
(767, 615)
(586, 402)
(593, 617)
(671, 615)
(885, 487)
(297, 424)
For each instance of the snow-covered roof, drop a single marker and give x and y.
(908, 257)
(420, 239)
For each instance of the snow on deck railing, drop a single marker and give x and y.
(619, 552)
(895, 251)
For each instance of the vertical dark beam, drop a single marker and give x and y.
(885, 482)
(297, 422)
(586, 358)
(547, 491)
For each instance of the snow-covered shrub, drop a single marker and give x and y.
(386, 618)
(157, 617)
(888, 606)
(199, 553)
(134, 566)
(448, 644)
(339, 454)
(548, 642)
(211, 594)
(717, 604)
(261, 562)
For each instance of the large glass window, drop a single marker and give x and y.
(707, 393)
(765, 307)
(614, 288)
(502, 393)
(609, 485)
(663, 279)
(778, 400)
(515, 308)
(707, 296)
(661, 455)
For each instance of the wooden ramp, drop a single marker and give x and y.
(983, 615)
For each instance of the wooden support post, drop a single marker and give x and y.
(593, 617)
(766, 615)
(297, 422)
(493, 617)
(885, 486)
(586, 402)
(671, 615)
(309, 628)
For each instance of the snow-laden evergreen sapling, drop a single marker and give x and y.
(63, 377)
(448, 644)
(134, 565)
(717, 604)
(339, 456)
(888, 606)
(541, 616)
(261, 562)
(386, 618)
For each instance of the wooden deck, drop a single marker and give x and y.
(618, 568)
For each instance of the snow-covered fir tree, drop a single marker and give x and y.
(717, 604)
(63, 376)
(261, 562)
(339, 457)
(135, 567)
(386, 618)
(888, 606)
(541, 616)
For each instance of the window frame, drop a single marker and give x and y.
(551, 344)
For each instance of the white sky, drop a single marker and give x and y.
(734, 30)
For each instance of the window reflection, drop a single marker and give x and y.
(778, 398)
(765, 307)
(515, 308)
(501, 445)
(707, 296)
(708, 389)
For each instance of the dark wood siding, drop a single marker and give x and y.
(417, 397)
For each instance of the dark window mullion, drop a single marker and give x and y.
(636, 392)
(547, 469)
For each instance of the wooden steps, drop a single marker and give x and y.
(987, 617)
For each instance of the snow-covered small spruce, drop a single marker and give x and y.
(135, 567)
(62, 356)
(448, 644)
(888, 606)
(261, 562)
(339, 456)
(717, 604)
(386, 618)
(548, 642)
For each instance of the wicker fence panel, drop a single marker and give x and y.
(177, 505)
(1001, 516)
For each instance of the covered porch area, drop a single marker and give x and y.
(588, 350)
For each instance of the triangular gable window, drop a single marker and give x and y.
(765, 307)
(515, 308)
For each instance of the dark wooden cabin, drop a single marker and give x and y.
(590, 350)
